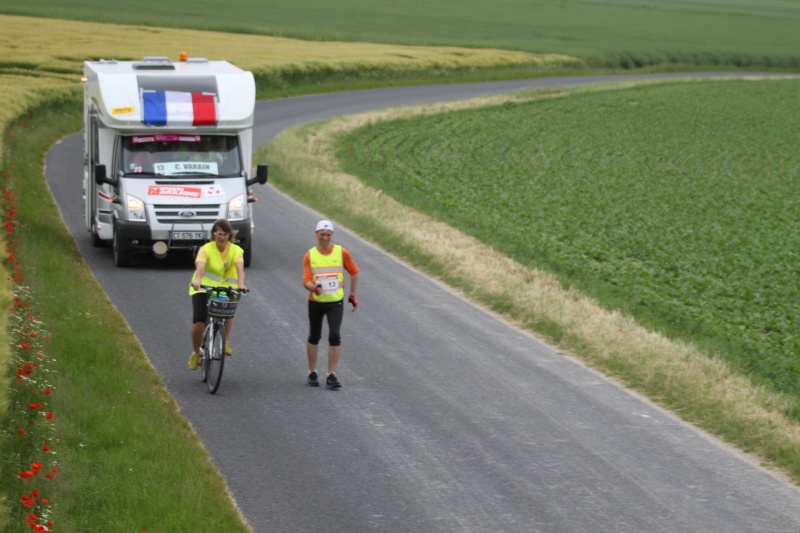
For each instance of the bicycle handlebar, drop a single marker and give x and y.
(230, 290)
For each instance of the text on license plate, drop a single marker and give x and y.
(187, 235)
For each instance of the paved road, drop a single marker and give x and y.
(449, 420)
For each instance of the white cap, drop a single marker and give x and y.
(324, 224)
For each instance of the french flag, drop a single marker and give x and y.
(173, 108)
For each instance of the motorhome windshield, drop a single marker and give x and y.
(181, 155)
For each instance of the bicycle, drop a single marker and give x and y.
(212, 349)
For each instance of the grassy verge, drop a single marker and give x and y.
(6, 363)
(117, 470)
(701, 389)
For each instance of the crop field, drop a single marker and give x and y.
(35, 47)
(604, 33)
(677, 203)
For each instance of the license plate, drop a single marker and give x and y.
(187, 235)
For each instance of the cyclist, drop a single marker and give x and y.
(219, 263)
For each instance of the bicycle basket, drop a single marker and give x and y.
(222, 309)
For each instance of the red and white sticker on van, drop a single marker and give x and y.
(174, 190)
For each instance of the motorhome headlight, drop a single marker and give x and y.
(236, 208)
(135, 209)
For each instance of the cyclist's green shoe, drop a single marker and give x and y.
(228, 349)
(193, 361)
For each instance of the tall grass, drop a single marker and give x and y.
(6, 363)
(18, 96)
(606, 33)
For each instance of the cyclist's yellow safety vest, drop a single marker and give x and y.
(328, 271)
(216, 263)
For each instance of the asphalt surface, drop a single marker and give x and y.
(449, 419)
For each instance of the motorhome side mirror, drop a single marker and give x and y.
(262, 172)
(100, 174)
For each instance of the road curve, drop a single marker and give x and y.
(449, 419)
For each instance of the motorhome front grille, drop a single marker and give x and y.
(177, 214)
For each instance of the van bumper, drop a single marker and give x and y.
(137, 237)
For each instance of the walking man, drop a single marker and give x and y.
(323, 277)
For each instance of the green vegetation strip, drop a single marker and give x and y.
(671, 203)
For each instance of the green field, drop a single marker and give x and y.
(606, 33)
(676, 203)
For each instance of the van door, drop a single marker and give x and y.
(90, 155)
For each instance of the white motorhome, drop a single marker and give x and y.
(167, 152)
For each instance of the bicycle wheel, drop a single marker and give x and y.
(216, 359)
(205, 349)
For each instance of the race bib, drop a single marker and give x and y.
(329, 282)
